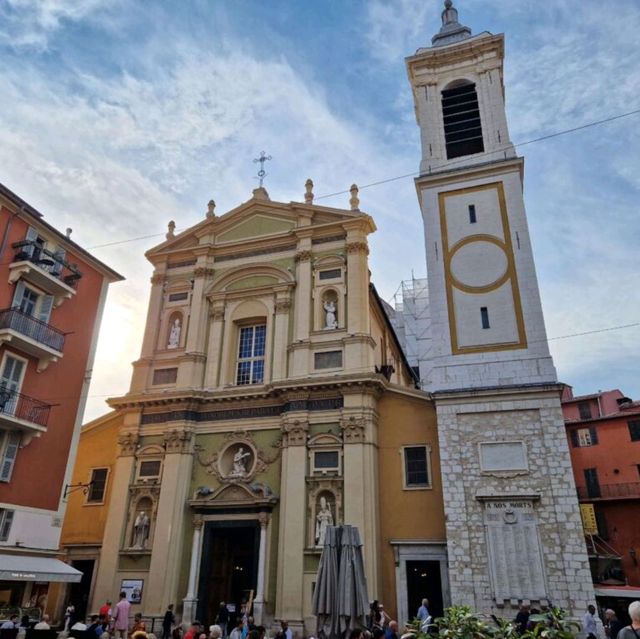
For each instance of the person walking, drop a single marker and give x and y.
(612, 624)
(121, 617)
(105, 614)
(589, 623)
(222, 619)
(632, 631)
(168, 622)
(236, 633)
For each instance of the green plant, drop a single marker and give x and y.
(552, 624)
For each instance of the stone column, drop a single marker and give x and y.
(258, 602)
(105, 585)
(216, 328)
(190, 602)
(168, 540)
(292, 521)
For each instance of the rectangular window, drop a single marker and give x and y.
(6, 519)
(328, 359)
(472, 214)
(586, 437)
(98, 486)
(10, 383)
(150, 468)
(484, 317)
(591, 479)
(165, 376)
(9, 445)
(326, 460)
(634, 429)
(251, 349)
(330, 274)
(416, 467)
(584, 408)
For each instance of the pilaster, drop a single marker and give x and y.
(289, 604)
(170, 524)
(216, 329)
(281, 337)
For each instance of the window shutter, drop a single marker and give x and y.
(574, 439)
(18, 295)
(45, 308)
(9, 457)
(32, 236)
(594, 435)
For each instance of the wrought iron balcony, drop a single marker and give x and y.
(22, 411)
(45, 269)
(629, 490)
(31, 336)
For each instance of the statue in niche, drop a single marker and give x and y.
(174, 335)
(330, 314)
(140, 531)
(240, 463)
(324, 518)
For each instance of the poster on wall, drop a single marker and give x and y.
(133, 589)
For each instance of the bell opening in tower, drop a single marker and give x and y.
(461, 114)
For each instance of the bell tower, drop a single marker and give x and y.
(514, 532)
(487, 323)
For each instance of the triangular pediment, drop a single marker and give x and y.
(257, 225)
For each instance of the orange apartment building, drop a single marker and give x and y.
(51, 302)
(604, 439)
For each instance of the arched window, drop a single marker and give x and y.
(462, 126)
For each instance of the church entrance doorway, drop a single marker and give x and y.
(229, 568)
(424, 581)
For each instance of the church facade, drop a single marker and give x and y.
(273, 397)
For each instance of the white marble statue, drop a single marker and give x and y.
(324, 518)
(174, 335)
(240, 463)
(330, 314)
(140, 531)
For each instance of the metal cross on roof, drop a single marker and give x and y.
(262, 159)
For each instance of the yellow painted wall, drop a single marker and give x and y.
(406, 514)
(84, 523)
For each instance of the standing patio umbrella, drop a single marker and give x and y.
(325, 595)
(353, 600)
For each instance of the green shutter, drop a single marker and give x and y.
(18, 294)
(32, 236)
(44, 313)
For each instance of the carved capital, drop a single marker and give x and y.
(217, 314)
(177, 441)
(203, 271)
(198, 522)
(295, 433)
(303, 256)
(158, 278)
(282, 306)
(263, 519)
(352, 430)
(128, 443)
(358, 247)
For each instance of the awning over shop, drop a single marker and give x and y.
(27, 568)
(617, 591)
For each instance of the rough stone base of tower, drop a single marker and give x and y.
(514, 531)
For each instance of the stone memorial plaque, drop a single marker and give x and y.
(503, 456)
(515, 557)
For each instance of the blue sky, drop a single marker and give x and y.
(120, 115)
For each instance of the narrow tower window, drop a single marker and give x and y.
(462, 126)
(484, 316)
(472, 214)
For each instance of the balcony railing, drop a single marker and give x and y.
(16, 320)
(28, 409)
(48, 261)
(610, 491)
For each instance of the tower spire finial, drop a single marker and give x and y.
(451, 30)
